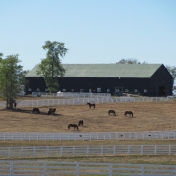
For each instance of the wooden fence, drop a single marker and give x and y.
(78, 151)
(28, 168)
(76, 136)
(82, 101)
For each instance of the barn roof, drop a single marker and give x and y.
(106, 70)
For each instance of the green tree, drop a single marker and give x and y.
(12, 80)
(50, 67)
(130, 61)
(172, 71)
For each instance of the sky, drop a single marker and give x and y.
(94, 31)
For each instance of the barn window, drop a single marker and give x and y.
(98, 89)
(108, 90)
(145, 90)
(117, 90)
(38, 89)
(135, 90)
(29, 89)
(72, 90)
(126, 90)
(81, 90)
(63, 90)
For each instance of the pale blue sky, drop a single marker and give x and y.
(94, 31)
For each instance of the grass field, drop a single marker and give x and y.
(155, 116)
(149, 116)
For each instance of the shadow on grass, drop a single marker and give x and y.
(29, 112)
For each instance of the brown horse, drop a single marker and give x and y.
(90, 105)
(36, 110)
(128, 112)
(112, 112)
(80, 123)
(51, 111)
(73, 125)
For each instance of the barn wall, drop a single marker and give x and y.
(161, 78)
(93, 83)
(104, 84)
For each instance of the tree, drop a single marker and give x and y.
(12, 80)
(172, 71)
(130, 61)
(50, 67)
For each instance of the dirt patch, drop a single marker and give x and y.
(148, 116)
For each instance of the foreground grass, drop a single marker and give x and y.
(147, 159)
(70, 143)
(133, 159)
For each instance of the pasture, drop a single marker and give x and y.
(147, 116)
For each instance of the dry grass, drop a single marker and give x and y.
(148, 116)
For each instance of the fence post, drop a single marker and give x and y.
(110, 169)
(87, 150)
(77, 169)
(102, 150)
(142, 169)
(21, 152)
(11, 168)
(44, 169)
(128, 149)
(47, 151)
(155, 149)
(8, 152)
(169, 150)
(114, 150)
(34, 152)
(61, 151)
(73, 150)
(142, 148)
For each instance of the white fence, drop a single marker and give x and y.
(81, 101)
(79, 151)
(28, 168)
(77, 136)
(71, 94)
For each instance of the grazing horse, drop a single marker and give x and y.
(128, 112)
(51, 111)
(112, 112)
(80, 123)
(73, 125)
(90, 105)
(36, 110)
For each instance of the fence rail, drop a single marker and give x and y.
(81, 101)
(78, 151)
(28, 168)
(158, 135)
(71, 94)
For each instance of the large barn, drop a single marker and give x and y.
(145, 79)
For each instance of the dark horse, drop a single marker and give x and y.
(73, 125)
(51, 111)
(36, 110)
(112, 112)
(80, 123)
(90, 105)
(128, 112)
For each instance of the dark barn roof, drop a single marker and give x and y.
(106, 70)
